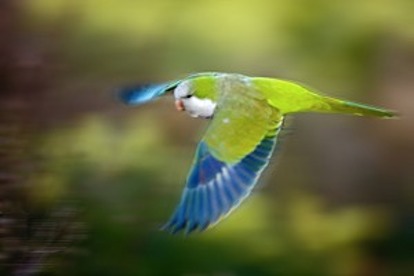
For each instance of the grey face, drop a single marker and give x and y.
(195, 107)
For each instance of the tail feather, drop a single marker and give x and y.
(347, 107)
(289, 97)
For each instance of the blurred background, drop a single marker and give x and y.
(86, 181)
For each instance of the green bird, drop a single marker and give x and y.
(246, 114)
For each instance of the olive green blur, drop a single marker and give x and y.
(90, 180)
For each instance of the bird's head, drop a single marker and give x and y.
(197, 94)
(197, 97)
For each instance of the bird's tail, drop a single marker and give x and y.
(332, 105)
(289, 97)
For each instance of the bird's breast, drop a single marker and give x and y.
(197, 107)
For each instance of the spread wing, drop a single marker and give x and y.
(140, 94)
(229, 159)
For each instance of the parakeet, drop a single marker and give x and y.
(246, 115)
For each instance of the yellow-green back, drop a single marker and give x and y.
(289, 97)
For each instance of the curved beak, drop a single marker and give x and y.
(179, 105)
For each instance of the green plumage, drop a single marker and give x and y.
(246, 116)
(290, 97)
(249, 108)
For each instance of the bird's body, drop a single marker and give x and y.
(247, 114)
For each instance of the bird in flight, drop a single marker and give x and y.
(246, 115)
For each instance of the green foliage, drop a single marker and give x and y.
(126, 180)
(337, 39)
(124, 170)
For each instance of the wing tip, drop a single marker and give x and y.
(139, 94)
(208, 199)
(135, 95)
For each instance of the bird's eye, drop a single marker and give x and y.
(187, 96)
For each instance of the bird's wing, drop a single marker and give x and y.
(139, 94)
(229, 159)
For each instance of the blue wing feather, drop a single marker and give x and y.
(214, 188)
(135, 95)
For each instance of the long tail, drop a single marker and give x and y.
(289, 97)
(332, 105)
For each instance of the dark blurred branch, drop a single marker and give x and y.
(23, 82)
